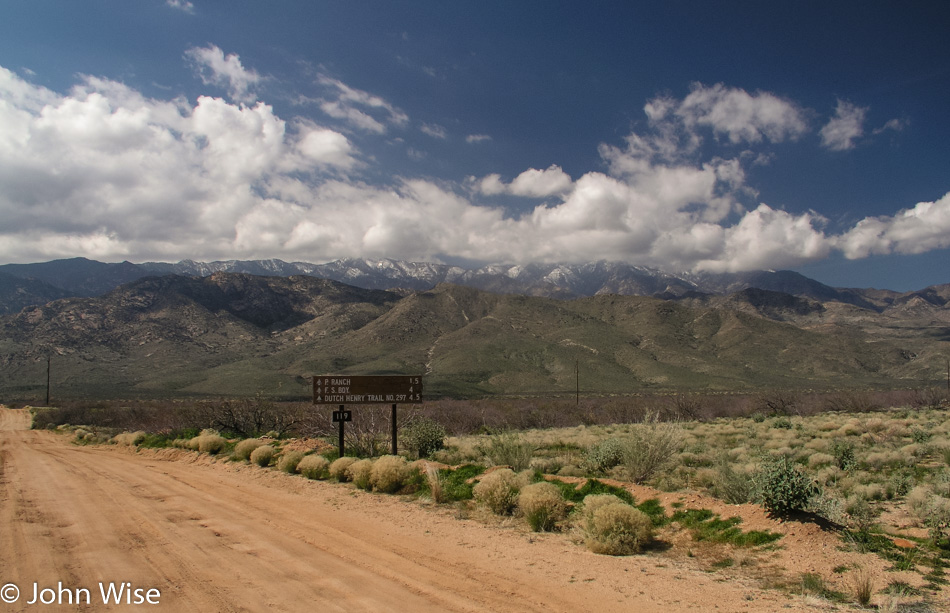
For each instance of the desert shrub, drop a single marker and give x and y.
(782, 488)
(604, 455)
(262, 456)
(782, 422)
(211, 443)
(542, 506)
(288, 461)
(730, 485)
(649, 449)
(843, 453)
(779, 402)
(359, 473)
(314, 466)
(508, 449)
(938, 520)
(498, 490)
(130, 439)
(423, 437)
(339, 466)
(388, 474)
(613, 527)
(242, 451)
(592, 502)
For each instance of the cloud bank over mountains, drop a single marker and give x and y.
(105, 172)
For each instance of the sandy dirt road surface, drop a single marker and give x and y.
(218, 536)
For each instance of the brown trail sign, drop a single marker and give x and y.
(383, 389)
(366, 389)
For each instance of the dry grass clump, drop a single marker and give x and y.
(817, 460)
(389, 473)
(498, 490)
(242, 451)
(359, 472)
(288, 461)
(262, 456)
(650, 448)
(435, 483)
(130, 439)
(542, 506)
(862, 584)
(210, 443)
(314, 467)
(612, 527)
(339, 466)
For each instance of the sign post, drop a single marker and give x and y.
(341, 417)
(362, 389)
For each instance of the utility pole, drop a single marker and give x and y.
(577, 383)
(49, 361)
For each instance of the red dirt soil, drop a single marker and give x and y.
(212, 535)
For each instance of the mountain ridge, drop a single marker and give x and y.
(84, 277)
(238, 334)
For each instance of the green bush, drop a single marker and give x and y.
(262, 456)
(782, 488)
(288, 461)
(314, 466)
(388, 474)
(542, 506)
(604, 455)
(498, 490)
(843, 452)
(242, 451)
(423, 437)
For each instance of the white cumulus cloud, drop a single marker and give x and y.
(360, 109)
(532, 183)
(741, 116)
(226, 71)
(106, 172)
(844, 128)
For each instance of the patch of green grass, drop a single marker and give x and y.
(593, 486)
(454, 486)
(901, 588)
(655, 511)
(572, 493)
(158, 441)
(814, 584)
(707, 526)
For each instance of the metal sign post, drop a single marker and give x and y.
(384, 389)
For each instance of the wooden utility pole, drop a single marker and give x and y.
(49, 361)
(577, 383)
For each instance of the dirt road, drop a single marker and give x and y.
(218, 536)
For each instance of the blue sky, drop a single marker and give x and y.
(680, 135)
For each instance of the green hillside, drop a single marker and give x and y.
(235, 334)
